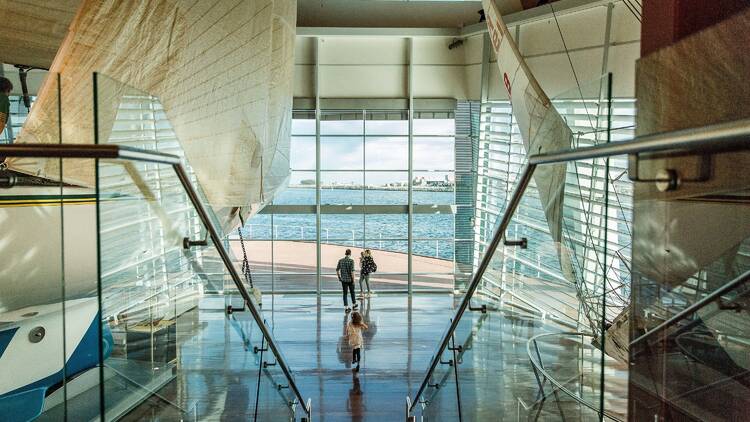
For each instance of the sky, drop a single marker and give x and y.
(344, 148)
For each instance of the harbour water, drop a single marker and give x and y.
(433, 234)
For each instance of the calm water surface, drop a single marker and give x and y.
(433, 233)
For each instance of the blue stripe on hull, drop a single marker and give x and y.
(24, 401)
(5, 338)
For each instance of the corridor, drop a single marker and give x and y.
(403, 334)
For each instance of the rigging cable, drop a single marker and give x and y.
(602, 265)
(633, 9)
(572, 68)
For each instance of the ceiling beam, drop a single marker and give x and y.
(376, 32)
(561, 7)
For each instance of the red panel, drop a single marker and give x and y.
(657, 28)
(667, 21)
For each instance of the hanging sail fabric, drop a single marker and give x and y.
(222, 70)
(542, 128)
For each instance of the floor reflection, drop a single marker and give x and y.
(398, 345)
(219, 376)
(343, 350)
(354, 404)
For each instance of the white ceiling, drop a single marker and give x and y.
(34, 29)
(394, 13)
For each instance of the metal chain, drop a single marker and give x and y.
(245, 262)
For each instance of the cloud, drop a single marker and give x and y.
(350, 150)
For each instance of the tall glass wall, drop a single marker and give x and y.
(502, 157)
(352, 185)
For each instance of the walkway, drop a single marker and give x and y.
(398, 346)
(294, 264)
(218, 376)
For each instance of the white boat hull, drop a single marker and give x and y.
(48, 245)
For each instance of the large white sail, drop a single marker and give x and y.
(222, 70)
(544, 130)
(223, 73)
(542, 127)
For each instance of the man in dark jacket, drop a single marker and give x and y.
(345, 272)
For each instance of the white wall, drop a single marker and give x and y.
(377, 66)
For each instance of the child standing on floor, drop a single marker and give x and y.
(354, 332)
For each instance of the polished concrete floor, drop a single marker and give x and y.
(220, 377)
(294, 265)
(496, 382)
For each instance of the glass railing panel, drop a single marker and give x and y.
(148, 286)
(495, 371)
(494, 377)
(49, 321)
(459, 347)
(553, 274)
(275, 400)
(690, 336)
(49, 350)
(440, 401)
(186, 343)
(177, 342)
(569, 368)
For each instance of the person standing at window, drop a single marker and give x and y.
(345, 272)
(366, 267)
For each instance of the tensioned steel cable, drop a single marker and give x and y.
(582, 284)
(634, 10)
(572, 68)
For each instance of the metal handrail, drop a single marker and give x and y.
(716, 294)
(96, 151)
(557, 384)
(720, 137)
(483, 264)
(713, 138)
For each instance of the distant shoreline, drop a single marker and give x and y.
(388, 188)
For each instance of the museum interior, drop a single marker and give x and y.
(374, 210)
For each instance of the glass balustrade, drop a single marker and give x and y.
(49, 314)
(181, 329)
(117, 303)
(512, 352)
(690, 341)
